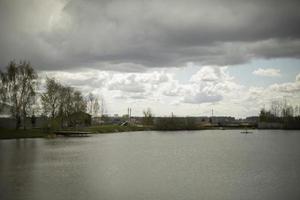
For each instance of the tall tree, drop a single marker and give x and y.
(2, 92)
(51, 97)
(60, 102)
(96, 107)
(18, 89)
(93, 105)
(65, 104)
(79, 104)
(90, 102)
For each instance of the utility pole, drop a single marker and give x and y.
(212, 114)
(102, 107)
(129, 113)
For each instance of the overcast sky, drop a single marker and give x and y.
(185, 57)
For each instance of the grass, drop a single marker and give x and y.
(39, 133)
(113, 129)
(14, 134)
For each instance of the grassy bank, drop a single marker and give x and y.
(114, 129)
(14, 134)
(39, 133)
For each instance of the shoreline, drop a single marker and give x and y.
(40, 133)
(6, 134)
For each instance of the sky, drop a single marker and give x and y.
(181, 57)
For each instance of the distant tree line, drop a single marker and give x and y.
(60, 102)
(281, 112)
(168, 123)
(18, 89)
(175, 123)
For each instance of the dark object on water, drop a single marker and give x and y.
(246, 132)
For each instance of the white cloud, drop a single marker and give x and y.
(126, 83)
(201, 97)
(172, 88)
(255, 98)
(207, 73)
(210, 84)
(269, 72)
(165, 92)
(137, 82)
(290, 87)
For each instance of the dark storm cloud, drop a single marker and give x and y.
(121, 35)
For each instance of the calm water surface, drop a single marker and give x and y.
(214, 164)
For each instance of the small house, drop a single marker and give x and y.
(80, 119)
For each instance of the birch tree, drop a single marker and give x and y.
(18, 89)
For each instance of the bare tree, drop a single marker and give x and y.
(287, 110)
(2, 92)
(96, 107)
(103, 107)
(93, 106)
(50, 99)
(65, 104)
(18, 89)
(61, 101)
(297, 110)
(79, 104)
(90, 103)
(148, 117)
(275, 108)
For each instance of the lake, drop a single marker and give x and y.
(210, 164)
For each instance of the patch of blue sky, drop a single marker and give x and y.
(243, 73)
(184, 74)
(289, 68)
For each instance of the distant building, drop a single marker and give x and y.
(97, 120)
(80, 119)
(202, 121)
(223, 120)
(252, 119)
